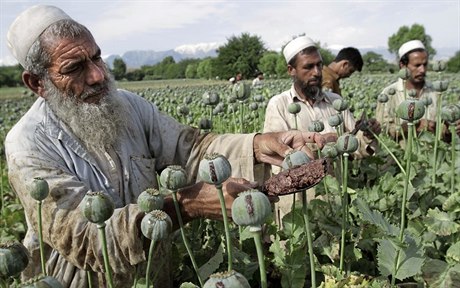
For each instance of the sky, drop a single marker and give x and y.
(120, 25)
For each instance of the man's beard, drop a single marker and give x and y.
(96, 125)
(310, 91)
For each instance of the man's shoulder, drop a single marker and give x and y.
(282, 97)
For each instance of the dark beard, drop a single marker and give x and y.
(96, 125)
(309, 91)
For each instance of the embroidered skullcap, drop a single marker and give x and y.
(297, 45)
(409, 46)
(28, 26)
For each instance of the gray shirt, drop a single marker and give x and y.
(40, 145)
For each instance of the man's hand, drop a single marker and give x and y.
(202, 201)
(369, 127)
(272, 147)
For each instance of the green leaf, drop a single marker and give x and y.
(453, 254)
(212, 265)
(441, 223)
(452, 204)
(375, 217)
(294, 275)
(279, 253)
(411, 259)
(439, 274)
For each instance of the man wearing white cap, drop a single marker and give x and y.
(84, 135)
(304, 65)
(414, 57)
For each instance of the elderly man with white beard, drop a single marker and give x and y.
(82, 134)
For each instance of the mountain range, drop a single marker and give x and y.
(137, 58)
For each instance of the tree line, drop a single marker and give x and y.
(246, 54)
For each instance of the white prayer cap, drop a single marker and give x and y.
(295, 46)
(28, 26)
(409, 46)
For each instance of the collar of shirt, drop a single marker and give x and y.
(331, 72)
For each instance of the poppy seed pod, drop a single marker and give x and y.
(347, 143)
(241, 91)
(150, 199)
(329, 150)
(450, 113)
(205, 124)
(295, 158)
(340, 104)
(173, 177)
(335, 120)
(42, 282)
(97, 207)
(294, 108)
(251, 208)
(227, 279)
(410, 110)
(210, 98)
(412, 93)
(39, 189)
(214, 169)
(183, 110)
(156, 225)
(404, 73)
(440, 86)
(391, 91)
(382, 98)
(14, 258)
(426, 100)
(253, 106)
(316, 126)
(439, 66)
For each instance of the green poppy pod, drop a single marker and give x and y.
(39, 189)
(404, 73)
(450, 113)
(426, 100)
(335, 120)
(173, 177)
(329, 150)
(295, 158)
(227, 279)
(382, 98)
(241, 91)
(391, 91)
(340, 104)
(316, 126)
(347, 143)
(42, 282)
(412, 93)
(97, 207)
(156, 225)
(188, 285)
(214, 169)
(410, 110)
(14, 258)
(294, 108)
(253, 106)
(205, 124)
(150, 199)
(440, 86)
(251, 208)
(439, 66)
(210, 98)
(183, 110)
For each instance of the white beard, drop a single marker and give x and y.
(96, 125)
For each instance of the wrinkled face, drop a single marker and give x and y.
(307, 73)
(77, 69)
(418, 62)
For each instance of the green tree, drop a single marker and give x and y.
(268, 62)
(119, 68)
(374, 62)
(404, 34)
(206, 69)
(191, 71)
(453, 64)
(281, 67)
(11, 76)
(239, 54)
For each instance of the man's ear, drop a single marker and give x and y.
(34, 83)
(291, 70)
